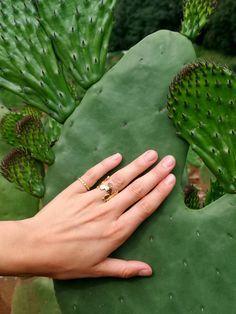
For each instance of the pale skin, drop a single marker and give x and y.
(74, 235)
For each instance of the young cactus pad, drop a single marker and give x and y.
(28, 65)
(32, 136)
(80, 31)
(196, 15)
(27, 173)
(22, 205)
(202, 105)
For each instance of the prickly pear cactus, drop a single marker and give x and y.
(196, 16)
(80, 31)
(29, 67)
(187, 248)
(21, 205)
(202, 105)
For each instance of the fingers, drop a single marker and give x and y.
(95, 173)
(112, 267)
(142, 186)
(132, 218)
(124, 176)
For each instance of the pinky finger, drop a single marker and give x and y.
(146, 206)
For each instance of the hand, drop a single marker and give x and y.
(73, 236)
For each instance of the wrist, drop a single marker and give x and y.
(16, 247)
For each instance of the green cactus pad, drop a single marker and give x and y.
(191, 251)
(14, 204)
(80, 31)
(196, 16)
(8, 126)
(25, 172)
(28, 65)
(32, 136)
(202, 105)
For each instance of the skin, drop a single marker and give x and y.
(74, 235)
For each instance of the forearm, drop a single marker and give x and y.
(14, 247)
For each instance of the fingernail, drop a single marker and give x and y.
(170, 179)
(150, 155)
(168, 162)
(145, 272)
(116, 156)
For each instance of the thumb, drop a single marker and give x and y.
(112, 267)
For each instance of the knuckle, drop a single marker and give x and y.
(125, 273)
(146, 208)
(118, 181)
(90, 175)
(137, 189)
(138, 163)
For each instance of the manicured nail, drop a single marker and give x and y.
(170, 179)
(116, 156)
(168, 162)
(145, 272)
(150, 155)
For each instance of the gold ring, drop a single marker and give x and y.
(108, 188)
(84, 184)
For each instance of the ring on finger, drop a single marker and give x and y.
(84, 184)
(108, 188)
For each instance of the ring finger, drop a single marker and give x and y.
(124, 176)
(142, 186)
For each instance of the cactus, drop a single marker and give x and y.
(22, 130)
(7, 127)
(202, 106)
(32, 136)
(27, 173)
(21, 205)
(187, 248)
(28, 64)
(80, 33)
(193, 248)
(191, 197)
(196, 16)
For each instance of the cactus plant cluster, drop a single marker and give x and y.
(131, 103)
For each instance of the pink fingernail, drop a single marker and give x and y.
(116, 156)
(150, 155)
(170, 179)
(168, 161)
(145, 272)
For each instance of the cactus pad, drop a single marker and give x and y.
(22, 205)
(80, 31)
(191, 251)
(8, 126)
(196, 15)
(27, 173)
(28, 64)
(32, 136)
(202, 105)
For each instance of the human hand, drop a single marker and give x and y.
(73, 236)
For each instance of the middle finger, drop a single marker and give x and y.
(120, 179)
(141, 186)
